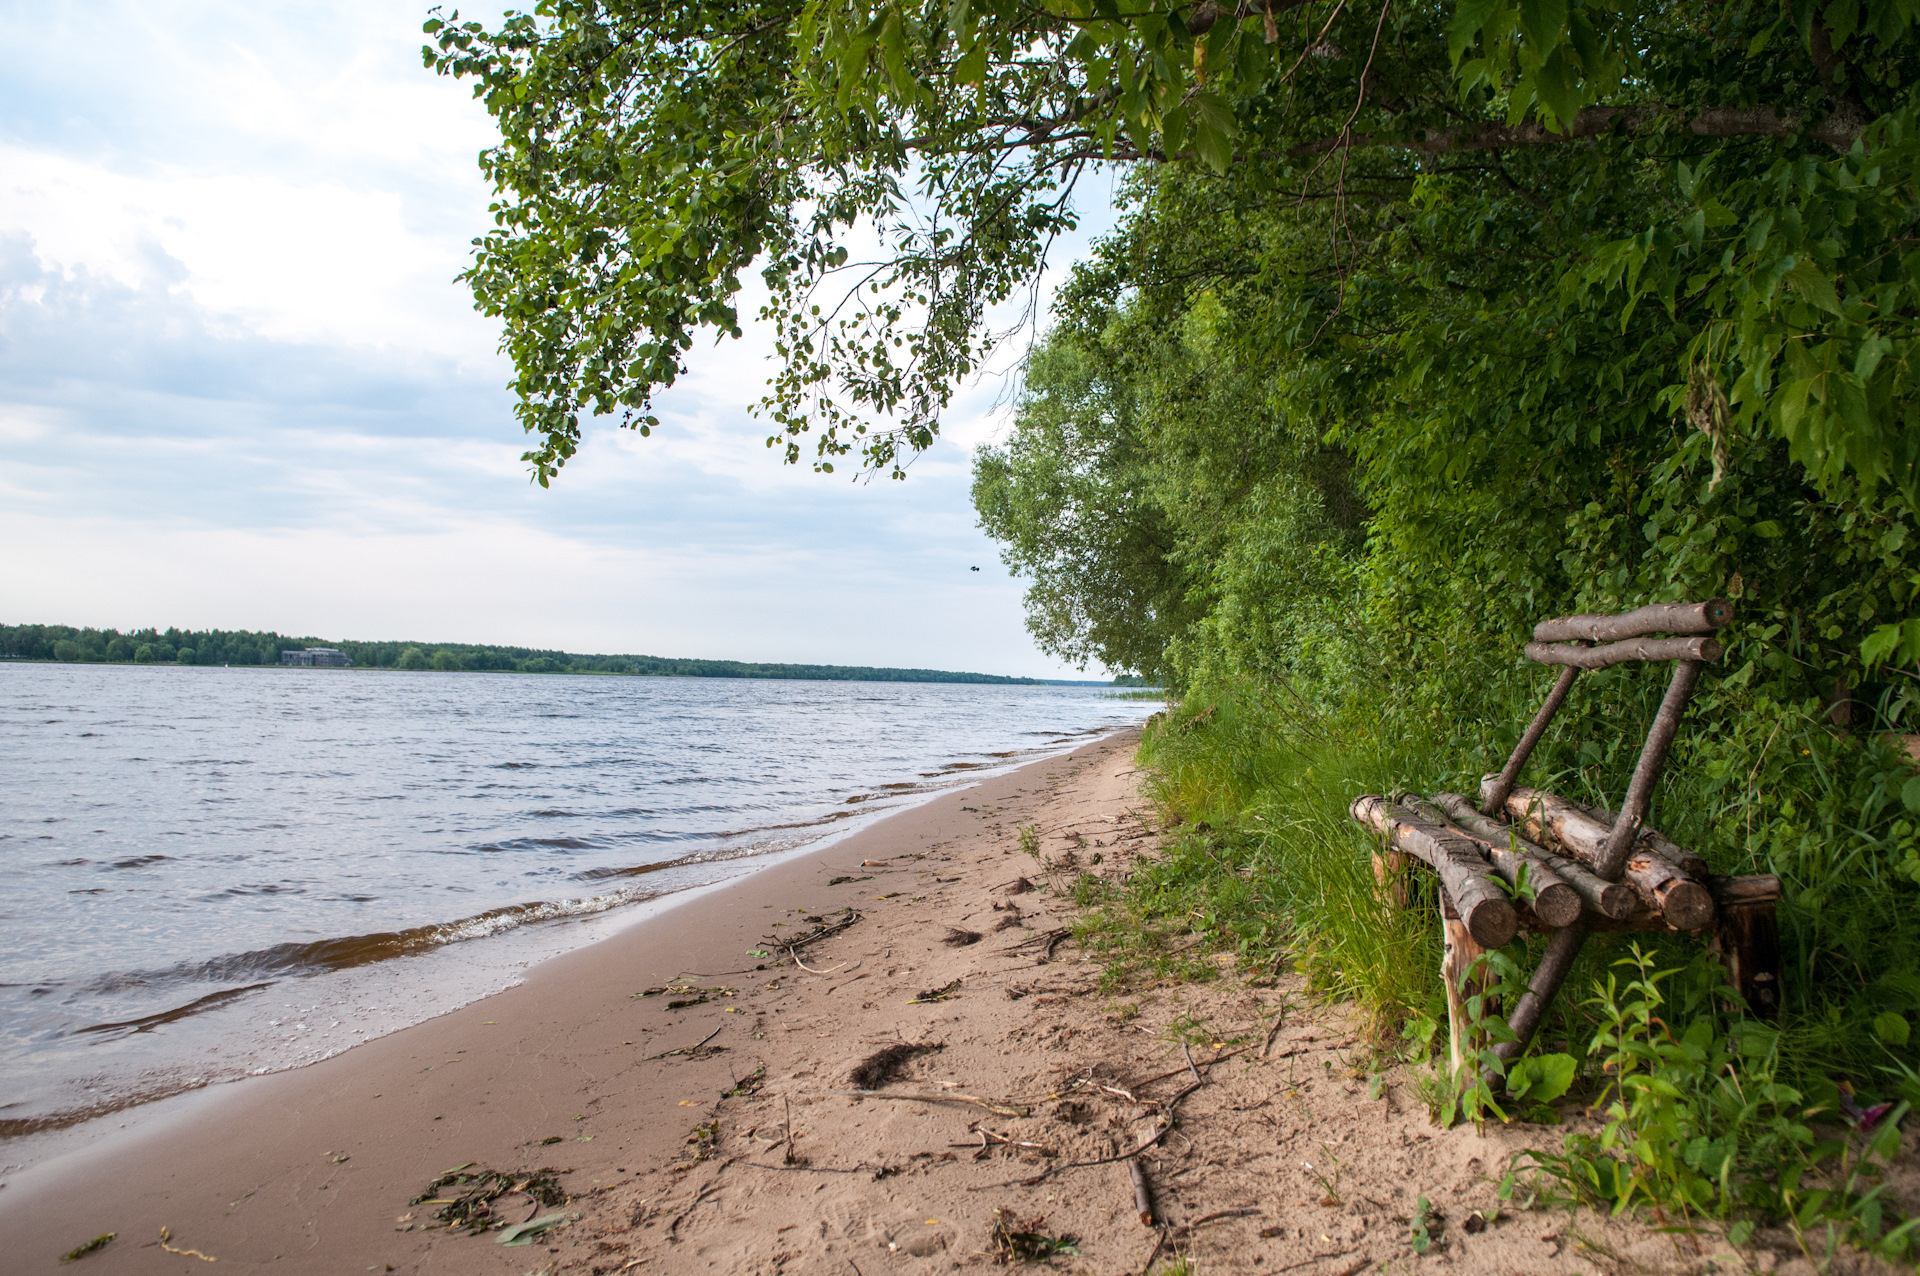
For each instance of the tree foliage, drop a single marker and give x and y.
(1714, 203)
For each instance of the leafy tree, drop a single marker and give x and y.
(1762, 159)
(411, 658)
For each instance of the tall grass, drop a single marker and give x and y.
(1266, 861)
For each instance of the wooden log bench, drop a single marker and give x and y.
(1585, 868)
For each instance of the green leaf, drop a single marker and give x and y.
(1810, 282)
(1739, 1232)
(1557, 84)
(1891, 1027)
(1542, 1078)
(1545, 22)
(1469, 16)
(523, 1233)
(1910, 795)
(972, 68)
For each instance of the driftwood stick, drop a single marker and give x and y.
(1683, 902)
(1609, 899)
(1457, 861)
(1142, 1195)
(1510, 773)
(1619, 653)
(1660, 618)
(1555, 902)
(1646, 773)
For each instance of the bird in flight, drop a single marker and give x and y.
(973, 569)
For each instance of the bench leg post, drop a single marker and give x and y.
(1747, 942)
(1459, 952)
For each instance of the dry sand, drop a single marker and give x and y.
(709, 1126)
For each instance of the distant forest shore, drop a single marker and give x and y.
(67, 644)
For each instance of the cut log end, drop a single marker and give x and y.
(1491, 922)
(1557, 905)
(1687, 905)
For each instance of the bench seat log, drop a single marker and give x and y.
(1557, 822)
(1555, 902)
(1659, 618)
(1608, 899)
(1464, 874)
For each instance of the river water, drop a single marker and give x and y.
(206, 873)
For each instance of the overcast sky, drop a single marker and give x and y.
(238, 387)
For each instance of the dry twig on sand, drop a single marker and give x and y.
(691, 1050)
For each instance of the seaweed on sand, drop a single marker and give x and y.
(467, 1196)
(887, 1064)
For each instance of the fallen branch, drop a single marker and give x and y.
(689, 1050)
(995, 1106)
(818, 933)
(1273, 1033)
(1244, 1211)
(1142, 1196)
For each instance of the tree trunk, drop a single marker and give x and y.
(1747, 940)
(1459, 952)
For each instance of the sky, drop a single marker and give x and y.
(240, 388)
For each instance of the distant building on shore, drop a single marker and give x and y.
(318, 657)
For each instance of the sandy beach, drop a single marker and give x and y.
(936, 1080)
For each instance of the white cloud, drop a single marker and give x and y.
(238, 386)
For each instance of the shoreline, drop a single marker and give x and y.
(376, 1094)
(935, 1077)
(130, 979)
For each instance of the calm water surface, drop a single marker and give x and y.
(209, 872)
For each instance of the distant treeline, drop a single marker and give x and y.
(247, 647)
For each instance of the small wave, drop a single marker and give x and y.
(141, 861)
(147, 1023)
(551, 843)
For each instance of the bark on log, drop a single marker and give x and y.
(1660, 618)
(1756, 888)
(1646, 772)
(1510, 773)
(1463, 873)
(1555, 902)
(1619, 653)
(1651, 839)
(1545, 817)
(1390, 876)
(1609, 899)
